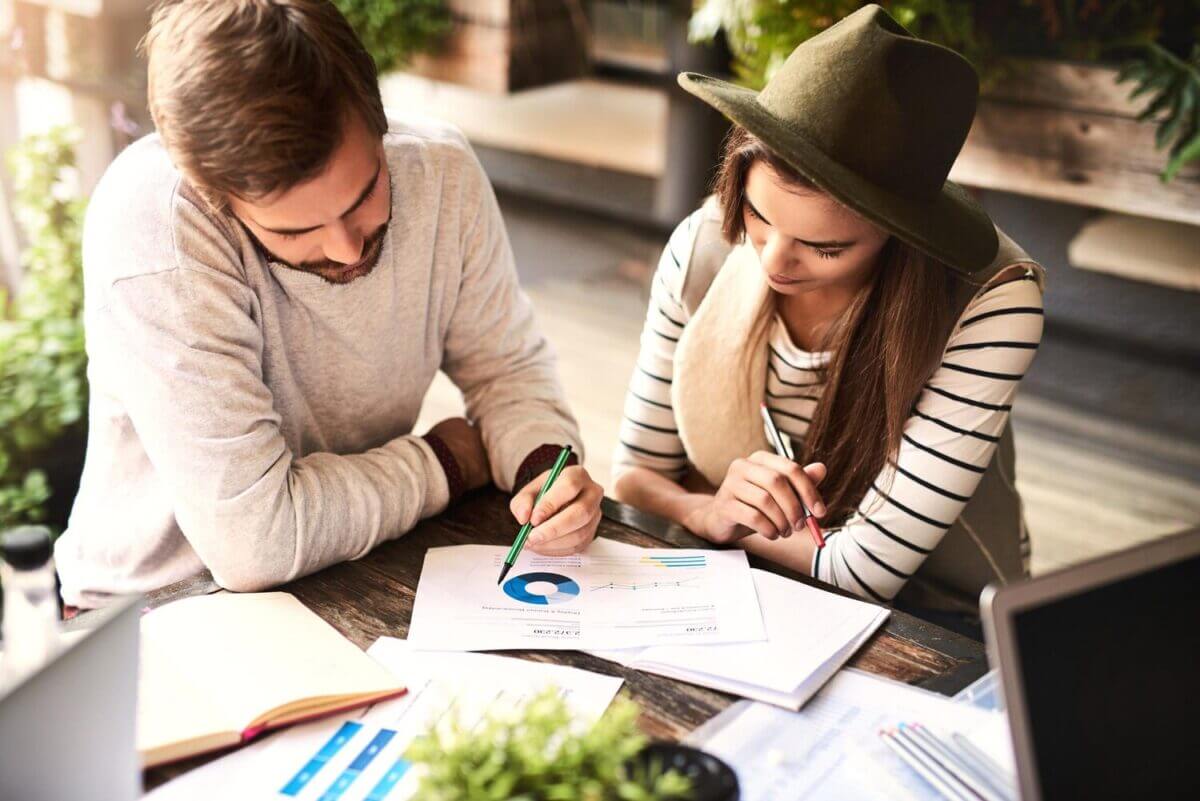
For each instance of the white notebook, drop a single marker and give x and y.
(811, 634)
(218, 670)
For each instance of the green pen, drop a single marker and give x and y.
(523, 534)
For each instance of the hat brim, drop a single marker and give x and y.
(951, 226)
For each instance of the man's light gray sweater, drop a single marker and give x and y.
(256, 420)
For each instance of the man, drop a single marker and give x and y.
(272, 282)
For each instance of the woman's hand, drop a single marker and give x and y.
(760, 495)
(566, 519)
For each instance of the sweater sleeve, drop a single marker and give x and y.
(494, 352)
(946, 446)
(649, 436)
(185, 342)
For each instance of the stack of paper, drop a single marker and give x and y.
(611, 596)
(810, 635)
(831, 751)
(695, 615)
(361, 757)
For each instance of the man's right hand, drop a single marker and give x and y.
(465, 443)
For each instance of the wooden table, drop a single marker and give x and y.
(373, 597)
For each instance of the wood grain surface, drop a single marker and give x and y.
(373, 597)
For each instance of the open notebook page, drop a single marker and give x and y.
(228, 662)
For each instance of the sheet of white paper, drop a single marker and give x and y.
(807, 628)
(360, 757)
(985, 692)
(611, 596)
(831, 748)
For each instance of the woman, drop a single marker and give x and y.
(871, 304)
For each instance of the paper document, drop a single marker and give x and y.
(984, 692)
(611, 596)
(831, 750)
(361, 757)
(811, 633)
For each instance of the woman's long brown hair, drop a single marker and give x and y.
(883, 349)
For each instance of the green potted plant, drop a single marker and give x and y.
(393, 31)
(537, 753)
(43, 383)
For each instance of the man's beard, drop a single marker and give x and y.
(331, 271)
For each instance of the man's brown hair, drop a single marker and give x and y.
(251, 97)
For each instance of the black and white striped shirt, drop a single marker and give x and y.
(947, 442)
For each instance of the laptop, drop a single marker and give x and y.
(1100, 669)
(67, 731)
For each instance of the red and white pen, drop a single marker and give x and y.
(784, 449)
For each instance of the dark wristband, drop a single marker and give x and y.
(539, 461)
(454, 476)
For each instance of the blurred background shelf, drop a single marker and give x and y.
(508, 45)
(625, 141)
(1069, 133)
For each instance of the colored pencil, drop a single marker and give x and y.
(922, 768)
(523, 534)
(980, 783)
(784, 449)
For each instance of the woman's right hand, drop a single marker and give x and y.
(760, 495)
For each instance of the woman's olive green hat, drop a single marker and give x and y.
(875, 117)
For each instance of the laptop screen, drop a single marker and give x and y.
(1112, 684)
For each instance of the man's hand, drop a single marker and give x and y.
(566, 519)
(466, 445)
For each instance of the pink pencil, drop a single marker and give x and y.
(781, 447)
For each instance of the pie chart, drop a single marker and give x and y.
(529, 588)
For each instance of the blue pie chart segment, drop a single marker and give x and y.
(517, 588)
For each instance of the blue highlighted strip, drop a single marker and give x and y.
(359, 764)
(314, 765)
(680, 561)
(380, 791)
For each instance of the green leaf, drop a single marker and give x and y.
(1191, 152)
(393, 31)
(1157, 82)
(43, 383)
(1168, 97)
(1180, 115)
(538, 753)
(1132, 71)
